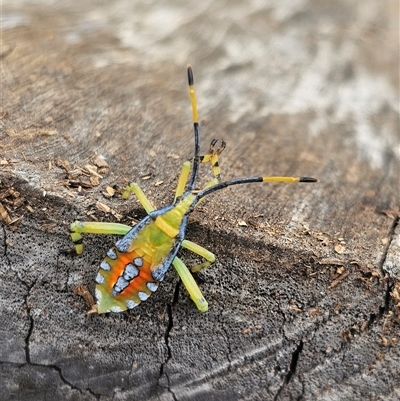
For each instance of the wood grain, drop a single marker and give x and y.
(304, 295)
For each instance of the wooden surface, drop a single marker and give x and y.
(304, 295)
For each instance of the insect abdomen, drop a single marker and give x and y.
(125, 281)
(129, 275)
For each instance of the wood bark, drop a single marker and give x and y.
(304, 296)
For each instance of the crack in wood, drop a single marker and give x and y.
(390, 279)
(170, 325)
(31, 321)
(27, 345)
(390, 237)
(228, 355)
(59, 372)
(292, 368)
(5, 245)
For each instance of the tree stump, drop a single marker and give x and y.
(304, 296)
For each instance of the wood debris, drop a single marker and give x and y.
(80, 177)
(330, 261)
(395, 294)
(102, 207)
(253, 223)
(100, 162)
(94, 180)
(92, 170)
(83, 292)
(10, 201)
(4, 216)
(340, 270)
(324, 238)
(339, 279)
(393, 213)
(109, 192)
(340, 249)
(294, 307)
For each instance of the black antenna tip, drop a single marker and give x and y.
(308, 179)
(190, 74)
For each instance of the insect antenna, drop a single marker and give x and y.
(196, 128)
(248, 180)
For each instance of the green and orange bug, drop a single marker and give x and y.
(135, 266)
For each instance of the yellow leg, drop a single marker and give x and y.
(186, 277)
(210, 157)
(133, 187)
(94, 227)
(199, 250)
(185, 171)
(191, 285)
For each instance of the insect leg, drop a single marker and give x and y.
(133, 187)
(94, 227)
(199, 250)
(212, 157)
(191, 285)
(185, 171)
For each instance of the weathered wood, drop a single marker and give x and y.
(304, 297)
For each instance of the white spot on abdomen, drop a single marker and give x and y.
(131, 304)
(104, 265)
(142, 296)
(130, 272)
(152, 286)
(138, 262)
(99, 279)
(111, 254)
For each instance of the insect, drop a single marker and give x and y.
(138, 262)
